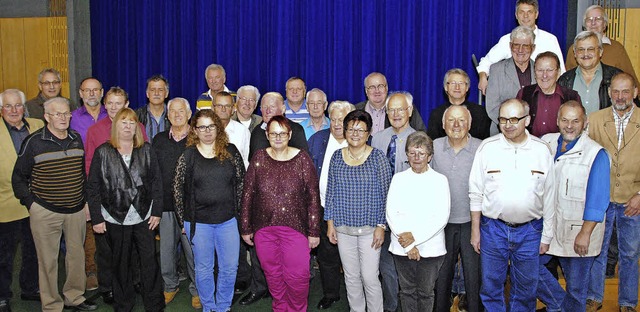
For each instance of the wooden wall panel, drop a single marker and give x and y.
(12, 43)
(36, 54)
(631, 33)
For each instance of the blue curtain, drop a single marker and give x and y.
(331, 44)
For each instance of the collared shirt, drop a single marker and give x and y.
(309, 129)
(18, 135)
(382, 139)
(81, 120)
(378, 116)
(332, 146)
(547, 111)
(621, 123)
(589, 92)
(239, 136)
(179, 138)
(524, 77)
(514, 183)
(155, 125)
(299, 115)
(456, 167)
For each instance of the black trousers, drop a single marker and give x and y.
(258, 281)
(329, 264)
(10, 234)
(123, 240)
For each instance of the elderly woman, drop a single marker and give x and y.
(207, 191)
(417, 212)
(125, 201)
(357, 186)
(281, 215)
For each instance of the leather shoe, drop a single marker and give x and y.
(326, 302)
(240, 288)
(107, 297)
(251, 298)
(30, 297)
(4, 306)
(85, 306)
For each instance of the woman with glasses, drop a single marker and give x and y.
(417, 226)
(207, 191)
(125, 200)
(281, 215)
(359, 178)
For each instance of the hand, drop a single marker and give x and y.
(632, 206)
(405, 239)
(475, 240)
(331, 233)
(153, 222)
(313, 242)
(184, 232)
(581, 244)
(483, 82)
(100, 228)
(544, 248)
(378, 238)
(414, 254)
(248, 238)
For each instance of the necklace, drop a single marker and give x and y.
(355, 158)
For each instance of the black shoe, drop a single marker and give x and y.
(326, 303)
(107, 297)
(30, 297)
(85, 306)
(138, 288)
(251, 298)
(4, 306)
(240, 288)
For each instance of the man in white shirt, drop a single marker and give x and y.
(526, 14)
(239, 135)
(511, 196)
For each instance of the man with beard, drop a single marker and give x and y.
(50, 85)
(617, 129)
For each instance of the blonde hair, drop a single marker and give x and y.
(128, 114)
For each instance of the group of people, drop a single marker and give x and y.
(542, 174)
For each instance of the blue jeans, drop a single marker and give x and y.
(211, 241)
(551, 293)
(628, 230)
(501, 245)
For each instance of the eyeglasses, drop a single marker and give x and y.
(60, 115)
(224, 106)
(420, 155)
(278, 135)
(591, 50)
(596, 19)
(246, 99)
(10, 107)
(374, 88)
(523, 46)
(356, 131)
(547, 71)
(399, 111)
(456, 83)
(315, 104)
(512, 120)
(207, 128)
(96, 90)
(50, 83)
(337, 121)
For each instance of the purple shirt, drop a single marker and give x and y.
(81, 120)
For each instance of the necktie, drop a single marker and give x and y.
(391, 153)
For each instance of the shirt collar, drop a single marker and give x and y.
(175, 138)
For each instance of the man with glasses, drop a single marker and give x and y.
(154, 115)
(511, 192)
(456, 85)
(50, 85)
(296, 104)
(510, 75)
(239, 135)
(376, 88)
(591, 79)
(392, 140)
(317, 121)
(248, 97)
(14, 217)
(50, 164)
(546, 96)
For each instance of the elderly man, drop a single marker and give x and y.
(510, 75)
(392, 140)
(511, 191)
(50, 85)
(546, 96)
(239, 135)
(322, 145)
(92, 109)
(617, 129)
(595, 19)
(168, 146)
(216, 76)
(317, 105)
(38, 186)
(453, 156)
(526, 14)
(14, 217)
(296, 104)
(154, 115)
(376, 88)
(456, 85)
(582, 196)
(591, 78)
(272, 104)
(247, 101)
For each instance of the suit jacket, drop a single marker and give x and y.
(318, 147)
(11, 210)
(255, 120)
(415, 121)
(503, 85)
(568, 78)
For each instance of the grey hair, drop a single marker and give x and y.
(419, 139)
(49, 70)
(250, 88)
(406, 94)
(20, 94)
(457, 71)
(444, 115)
(316, 90)
(369, 76)
(341, 105)
(523, 104)
(604, 15)
(586, 34)
(179, 99)
(523, 32)
(215, 67)
(58, 99)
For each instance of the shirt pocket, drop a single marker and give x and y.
(492, 181)
(537, 180)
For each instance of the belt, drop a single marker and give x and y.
(514, 225)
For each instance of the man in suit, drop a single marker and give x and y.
(510, 75)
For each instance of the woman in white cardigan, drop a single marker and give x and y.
(418, 208)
